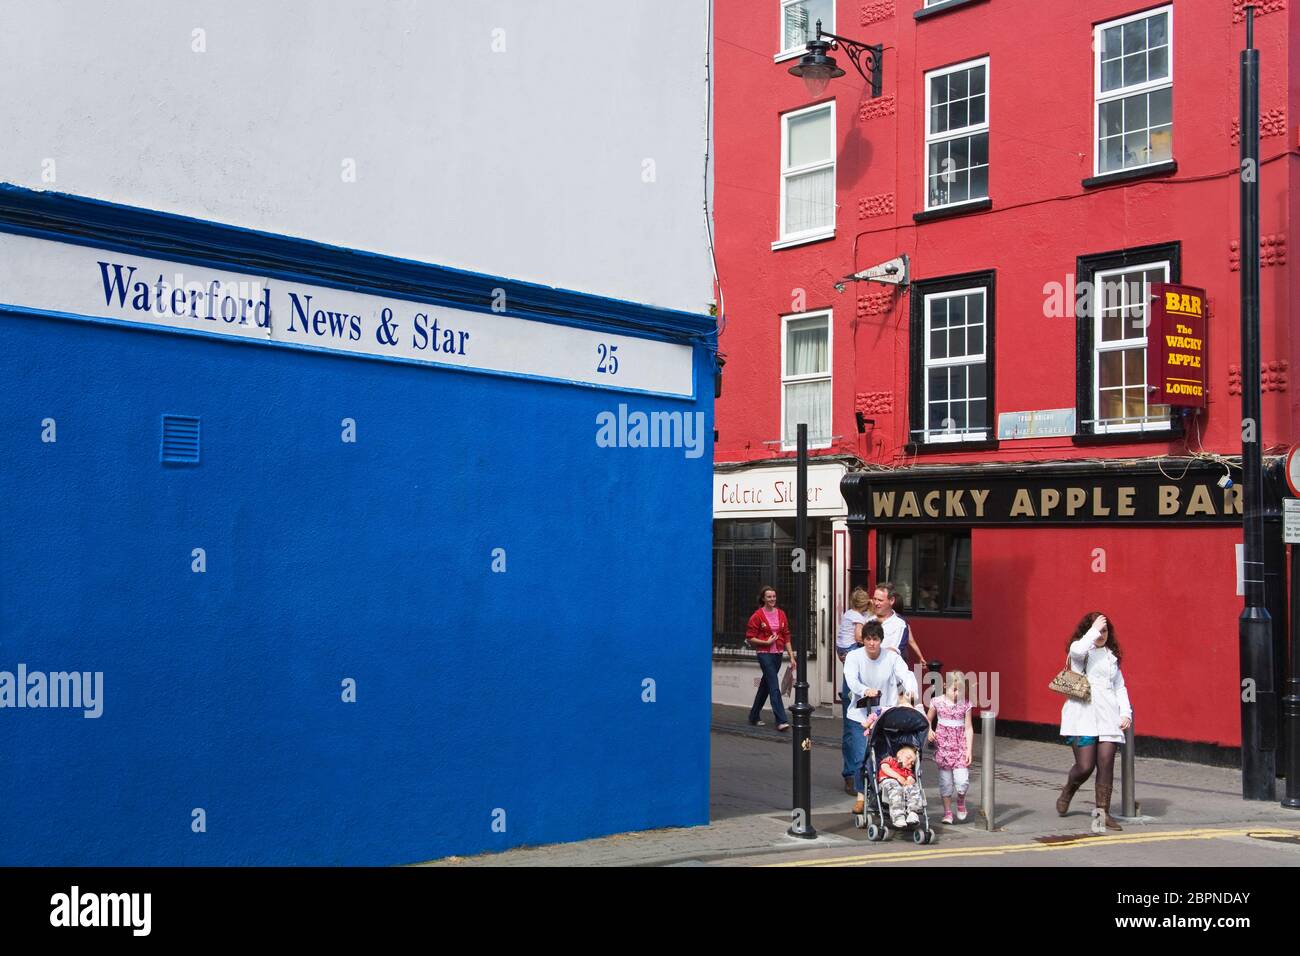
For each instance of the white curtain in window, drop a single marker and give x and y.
(808, 402)
(797, 27)
(809, 139)
(801, 20)
(810, 201)
(805, 347)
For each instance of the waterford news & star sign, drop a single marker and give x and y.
(79, 282)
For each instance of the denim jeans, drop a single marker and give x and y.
(852, 743)
(769, 686)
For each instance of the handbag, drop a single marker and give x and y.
(1071, 683)
(787, 681)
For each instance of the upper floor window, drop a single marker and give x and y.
(1113, 317)
(799, 22)
(808, 173)
(1120, 341)
(952, 344)
(957, 134)
(1134, 91)
(806, 379)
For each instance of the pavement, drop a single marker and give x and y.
(1188, 815)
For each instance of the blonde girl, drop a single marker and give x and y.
(955, 737)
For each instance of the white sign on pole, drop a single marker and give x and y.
(1291, 520)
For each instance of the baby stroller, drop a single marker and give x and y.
(894, 728)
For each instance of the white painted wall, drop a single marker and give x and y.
(526, 163)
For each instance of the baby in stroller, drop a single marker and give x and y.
(898, 787)
(895, 743)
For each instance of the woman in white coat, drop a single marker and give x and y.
(1095, 727)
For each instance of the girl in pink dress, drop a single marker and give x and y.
(954, 739)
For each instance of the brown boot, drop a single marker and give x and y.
(860, 806)
(1103, 803)
(1067, 794)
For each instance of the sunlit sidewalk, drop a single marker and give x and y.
(750, 804)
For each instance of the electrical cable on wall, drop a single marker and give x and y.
(721, 322)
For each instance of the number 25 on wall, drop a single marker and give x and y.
(608, 360)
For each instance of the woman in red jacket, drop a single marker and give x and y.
(768, 633)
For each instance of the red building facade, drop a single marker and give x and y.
(1000, 455)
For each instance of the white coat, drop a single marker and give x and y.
(887, 674)
(1100, 716)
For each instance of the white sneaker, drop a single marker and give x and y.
(898, 820)
(912, 817)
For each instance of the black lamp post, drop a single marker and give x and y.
(1254, 627)
(817, 67)
(801, 824)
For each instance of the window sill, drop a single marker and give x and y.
(789, 55)
(1173, 433)
(950, 447)
(788, 243)
(1128, 175)
(943, 8)
(793, 449)
(956, 209)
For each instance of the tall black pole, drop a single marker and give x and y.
(801, 824)
(1275, 595)
(1291, 702)
(1254, 628)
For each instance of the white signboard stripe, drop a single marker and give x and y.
(48, 276)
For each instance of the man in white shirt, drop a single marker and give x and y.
(846, 639)
(870, 671)
(898, 636)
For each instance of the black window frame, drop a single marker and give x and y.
(951, 538)
(916, 445)
(1085, 271)
(771, 541)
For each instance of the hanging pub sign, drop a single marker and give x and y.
(1176, 356)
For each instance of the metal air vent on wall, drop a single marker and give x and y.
(180, 440)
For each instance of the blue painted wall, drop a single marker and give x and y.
(326, 560)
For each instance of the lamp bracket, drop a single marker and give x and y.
(866, 57)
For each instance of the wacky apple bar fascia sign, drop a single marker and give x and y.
(1176, 356)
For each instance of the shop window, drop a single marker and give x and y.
(1112, 315)
(957, 134)
(1133, 77)
(952, 368)
(747, 555)
(932, 571)
(808, 174)
(806, 379)
(799, 23)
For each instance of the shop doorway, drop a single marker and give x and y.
(826, 623)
